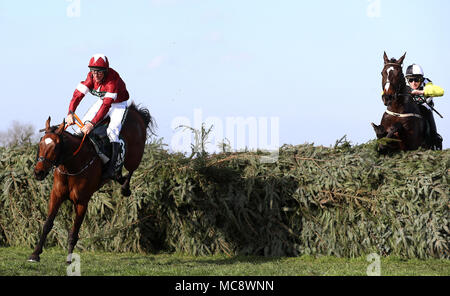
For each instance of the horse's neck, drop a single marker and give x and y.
(404, 102)
(407, 101)
(398, 105)
(403, 86)
(71, 144)
(70, 141)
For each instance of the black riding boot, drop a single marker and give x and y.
(435, 138)
(109, 173)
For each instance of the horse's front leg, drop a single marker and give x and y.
(56, 198)
(396, 131)
(379, 131)
(80, 211)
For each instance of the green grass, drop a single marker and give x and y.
(13, 263)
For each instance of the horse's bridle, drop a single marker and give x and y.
(397, 90)
(58, 159)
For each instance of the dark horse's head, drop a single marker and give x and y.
(393, 80)
(49, 150)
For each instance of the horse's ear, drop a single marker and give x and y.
(386, 59)
(47, 124)
(60, 127)
(400, 60)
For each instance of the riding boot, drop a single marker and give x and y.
(435, 138)
(427, 128)
(110, 173)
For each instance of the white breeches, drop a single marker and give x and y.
(115, 113)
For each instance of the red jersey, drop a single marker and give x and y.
(111, 90)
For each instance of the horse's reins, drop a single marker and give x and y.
(80, 125)
(58, 161)
(79, 172)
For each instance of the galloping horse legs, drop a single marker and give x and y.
(80, 211)
(54, 204)
(126, 185)
(394, 130)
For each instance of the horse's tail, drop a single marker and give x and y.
(149, 121)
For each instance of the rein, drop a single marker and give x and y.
(59, 160)
(79, 172)
(80, 125)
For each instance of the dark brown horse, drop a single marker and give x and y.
(402, 126)
(78, 176)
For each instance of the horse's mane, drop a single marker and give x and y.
(149, 121)
(51, 129)
(76, 135)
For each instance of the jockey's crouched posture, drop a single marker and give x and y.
(106, 84)
(423, 91)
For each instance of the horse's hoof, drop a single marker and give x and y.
(34, 258)
(126, 192)
(121, 180)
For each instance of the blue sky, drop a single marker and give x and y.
(315, 65)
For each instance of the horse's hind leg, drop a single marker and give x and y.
(80, 211)
(126, 185)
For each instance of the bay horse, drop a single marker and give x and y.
(402, 125)
(78, 175)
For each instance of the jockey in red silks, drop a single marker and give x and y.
(106, 84)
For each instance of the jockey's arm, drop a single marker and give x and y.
(79, 93)
(70, 120)
(431, 90)
(102, 111)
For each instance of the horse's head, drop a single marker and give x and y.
(49, 150)
(393, 79)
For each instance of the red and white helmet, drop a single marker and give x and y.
(99, 60)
